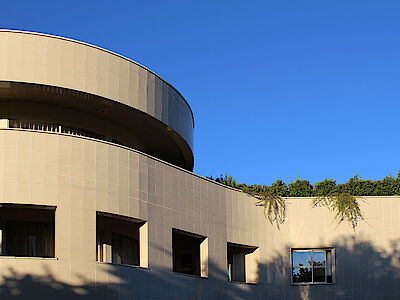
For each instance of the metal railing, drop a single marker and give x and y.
(52, 127)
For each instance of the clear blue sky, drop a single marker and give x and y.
(279, 89)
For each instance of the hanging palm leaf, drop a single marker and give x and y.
(346, 207)
(274, 207)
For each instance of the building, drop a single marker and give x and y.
(98, 199)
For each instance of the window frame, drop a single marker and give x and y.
(317, 249)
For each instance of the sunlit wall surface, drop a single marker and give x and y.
(54, 61)
(85, 217)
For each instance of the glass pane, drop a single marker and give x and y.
(318, 258)
(302, 258)
(301, 275)
(319, 274)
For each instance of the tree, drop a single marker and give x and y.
(326, 187)
(300, 188)
(358, 187)
(386, 186)
(279, 188)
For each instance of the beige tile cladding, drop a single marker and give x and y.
(55, 61)
(81, 176)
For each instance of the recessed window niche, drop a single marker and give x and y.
(190, 253)
(27, 230)
(121, 240)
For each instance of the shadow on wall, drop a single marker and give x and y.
(124, 282)
(24, 286)
(363, 271)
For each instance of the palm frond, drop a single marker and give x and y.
(274, 207)
(346, 207)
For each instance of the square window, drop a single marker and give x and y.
(312, 266)
(243, 263)
(121, 240)
(27, 230)
(189, 253)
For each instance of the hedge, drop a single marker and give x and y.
(356, 186)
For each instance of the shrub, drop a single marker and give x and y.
(326, 187)
(279, 188)
(300, 188)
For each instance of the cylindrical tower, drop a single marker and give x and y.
(57, 84)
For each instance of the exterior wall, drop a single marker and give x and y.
(56, 61)
(81, 176)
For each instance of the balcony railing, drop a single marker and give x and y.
(52, 127)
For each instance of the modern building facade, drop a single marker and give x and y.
(98, 199)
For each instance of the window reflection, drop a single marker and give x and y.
(302, 275)
(301, 258)
(318, 258)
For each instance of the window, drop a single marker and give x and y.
(243, 263)
(190, 253)
(27, 230)
(312, 266)
(121, 240)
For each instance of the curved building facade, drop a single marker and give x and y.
(98, 199)
(83, 87)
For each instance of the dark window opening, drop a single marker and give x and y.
(118, 239)
(186, 252)
(236, 270)
(27, 231)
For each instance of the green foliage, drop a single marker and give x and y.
(339, 198)
(227, 180)
(324, 188)
(300, 188)
(388, 186)
(345, 206)
(279, 188)
(253, 189)
(268, 197)
(356, 186)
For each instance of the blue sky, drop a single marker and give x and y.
(279, 89)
